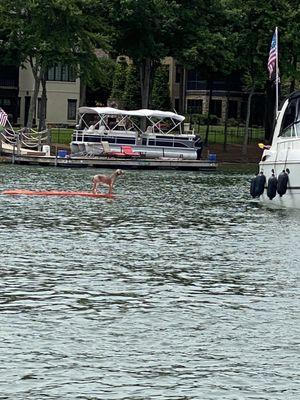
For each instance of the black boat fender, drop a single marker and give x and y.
(283, 179)
(257, 185)
(252, 186)
(272, 186)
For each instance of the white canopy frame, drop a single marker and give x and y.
(157, 125)
(150, 115)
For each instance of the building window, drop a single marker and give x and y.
(72, 106)
(5, 102)
(290, 115)
(216, 108)
(232, 109)
(9, 106)
(194, 106)
(63, 73)
(177, 104)
(51, 74)
(194, 81)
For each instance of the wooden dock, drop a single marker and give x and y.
(102, 162)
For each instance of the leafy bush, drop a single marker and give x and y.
(202, 119)
(197, 118)
(232, 122)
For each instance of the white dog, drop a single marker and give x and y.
(106, 180)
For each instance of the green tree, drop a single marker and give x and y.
(207, 45)
(289, 46)
(132, 93)
(144, 31)
(255, 23)
(51, 32)
(119, 81)
(160, 96)
(100, 81)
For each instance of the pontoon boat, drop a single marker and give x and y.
(153, 134)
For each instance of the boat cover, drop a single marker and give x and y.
(132, 113)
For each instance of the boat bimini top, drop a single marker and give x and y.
(154, 117)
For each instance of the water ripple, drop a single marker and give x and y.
(182, 288)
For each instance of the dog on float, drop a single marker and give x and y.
(108, 180)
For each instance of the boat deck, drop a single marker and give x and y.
(102, 162)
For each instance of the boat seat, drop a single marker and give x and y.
(106, 148)
(128, 152)
(108, 152)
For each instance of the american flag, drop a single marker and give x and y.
(3, 117)
(272, 56)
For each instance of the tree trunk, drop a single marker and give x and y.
(145, 74)
(210, 85)
(246, 135)
(37, 80)
(43, 108)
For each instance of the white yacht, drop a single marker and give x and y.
(151, 133)
(278, 180)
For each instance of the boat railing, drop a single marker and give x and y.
(164, 140)
(80, 135)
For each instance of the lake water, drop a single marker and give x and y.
(181, 288)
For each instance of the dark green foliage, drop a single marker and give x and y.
(202, 119)
(142, 28)
(52, 31)
(132, 91)
(46, 33)
(144, 31)
(100, 82)
(160, 96)
(119, 81)
(125, 89)
(206, 44)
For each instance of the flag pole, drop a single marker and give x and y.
(277, 72)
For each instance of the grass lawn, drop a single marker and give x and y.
(61, 135)
(235, 134)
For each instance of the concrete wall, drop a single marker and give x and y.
(176, 88)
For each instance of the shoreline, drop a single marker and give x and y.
(233, 155)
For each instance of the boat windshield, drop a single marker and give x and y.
(290, 126)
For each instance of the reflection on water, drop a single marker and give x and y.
(181, 288)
